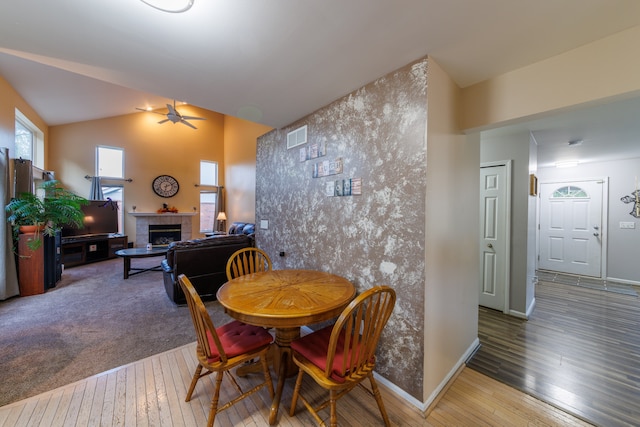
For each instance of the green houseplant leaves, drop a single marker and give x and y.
(58, 207)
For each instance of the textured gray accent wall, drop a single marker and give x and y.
(379, 132)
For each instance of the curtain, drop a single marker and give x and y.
(96, 189)
(8, 275)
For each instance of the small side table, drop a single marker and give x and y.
(127, 254)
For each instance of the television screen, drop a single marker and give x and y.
(100, 217)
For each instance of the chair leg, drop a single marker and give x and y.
(194, 381)
(296, 390)
(378, 396)
(267, 374)
(214, 400)
(332, 402)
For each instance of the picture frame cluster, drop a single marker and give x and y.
(344, 187)
(325, 168)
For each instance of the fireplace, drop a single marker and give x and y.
(145, 219)
(163, 234)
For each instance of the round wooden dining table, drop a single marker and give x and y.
(285, 300)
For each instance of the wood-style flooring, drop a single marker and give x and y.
(579, 351)
(151, 393)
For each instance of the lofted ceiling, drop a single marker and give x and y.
(275, 61)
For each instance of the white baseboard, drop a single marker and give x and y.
(403, 395)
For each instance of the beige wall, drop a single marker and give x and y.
(602, 70)
(151, 149)
(452, 232)
(240, 138)
(9, 101)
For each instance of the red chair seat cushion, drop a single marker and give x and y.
(238, 338)
(314, 347)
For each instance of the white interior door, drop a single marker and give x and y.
(571, 227)
(494, 239)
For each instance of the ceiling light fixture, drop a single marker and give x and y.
(575, 142)
(171, 6)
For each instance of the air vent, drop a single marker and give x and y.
(297, 137)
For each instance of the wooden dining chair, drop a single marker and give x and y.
(221, 349)
(341, 356)
(247, 261)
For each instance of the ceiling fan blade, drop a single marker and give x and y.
(172, 110)
(193, 118)
(184, 122)
(163, 121)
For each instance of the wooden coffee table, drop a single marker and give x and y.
(127, 254)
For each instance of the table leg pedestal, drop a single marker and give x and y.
(256, 367)
(286, 367)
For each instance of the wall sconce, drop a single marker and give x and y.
(222, 220)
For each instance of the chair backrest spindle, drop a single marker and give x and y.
(360, 326)
(247, 261)
(201, 320)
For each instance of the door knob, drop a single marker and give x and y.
(595, 227)
(489, 245)
(596, 234)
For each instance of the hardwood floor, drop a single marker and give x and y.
(151, 393)
(579, 351)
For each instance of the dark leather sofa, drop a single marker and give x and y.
(203, 261)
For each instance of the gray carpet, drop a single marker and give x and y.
(92, 321)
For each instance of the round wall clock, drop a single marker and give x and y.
(165, 186)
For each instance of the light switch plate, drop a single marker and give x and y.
(264, 224)
(627, 225)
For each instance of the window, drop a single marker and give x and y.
(29, 140)
(569, 192)
(24, 142)
(208, 195)
(208, 173)
(110, 162)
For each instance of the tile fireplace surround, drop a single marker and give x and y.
(144, 219)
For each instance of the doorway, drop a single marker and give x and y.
(572, 234)
(495, 248)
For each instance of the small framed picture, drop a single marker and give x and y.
(356, 186)
(533, 185)
(346, 187)
(330, 189)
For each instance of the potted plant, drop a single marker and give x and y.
(46, 214)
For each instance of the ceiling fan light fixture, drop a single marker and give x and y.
(170, 6)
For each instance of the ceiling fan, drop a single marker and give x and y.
(174, 116)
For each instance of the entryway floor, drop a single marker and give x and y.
(586, 282)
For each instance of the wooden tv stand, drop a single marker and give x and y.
(86, 249)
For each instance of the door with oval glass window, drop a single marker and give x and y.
(571, 227)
